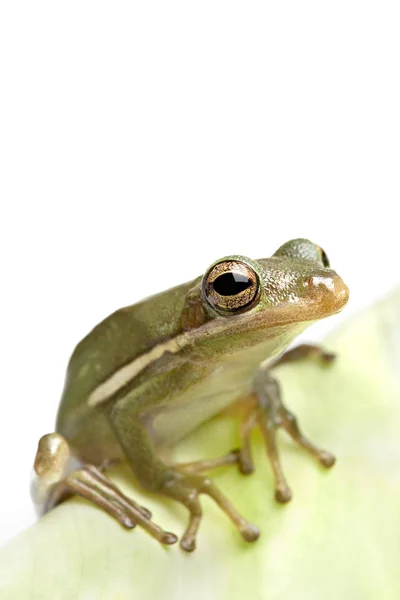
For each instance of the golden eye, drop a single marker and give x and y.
(324, 257)
(231, 286)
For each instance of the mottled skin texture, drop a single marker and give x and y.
(152, 372)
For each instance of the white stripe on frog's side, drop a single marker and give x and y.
(128, 372)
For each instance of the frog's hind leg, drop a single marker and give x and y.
(54, 481)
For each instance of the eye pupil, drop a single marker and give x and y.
(230, 284)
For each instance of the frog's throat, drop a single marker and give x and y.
(285, 314)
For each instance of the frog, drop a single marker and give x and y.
(151, 373)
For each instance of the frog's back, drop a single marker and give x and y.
(120, 338)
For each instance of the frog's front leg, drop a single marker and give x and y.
(55, 480)
(269, 413)
(180, 482)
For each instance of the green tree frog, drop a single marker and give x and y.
(151, 373)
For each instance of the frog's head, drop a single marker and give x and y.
(295, 285)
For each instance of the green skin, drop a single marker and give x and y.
(151, 373)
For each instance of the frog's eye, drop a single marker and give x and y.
(231, 286)
(304, 249)
(324, 257)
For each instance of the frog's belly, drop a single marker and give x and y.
(194, 408)
(218, 387)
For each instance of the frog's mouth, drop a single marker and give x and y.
(322, 296)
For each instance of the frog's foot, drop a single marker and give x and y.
(270, 414)
(303, 352)
(54, 484)
(186, 488)
(91, 484)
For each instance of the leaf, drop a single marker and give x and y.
(338, 538)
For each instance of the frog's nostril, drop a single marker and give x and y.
(317, 281)
(331, 290)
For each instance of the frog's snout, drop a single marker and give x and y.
(330, 289)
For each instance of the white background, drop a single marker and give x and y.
(140, 141)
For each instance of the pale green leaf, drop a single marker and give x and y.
(338, 538)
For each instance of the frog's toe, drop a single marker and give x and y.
(326, 459)
(328, 357)
(250, 533)
(283, 494)
(188, 542)
(168, 538)
(245, 462)
(290, 424)
(145, 511)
